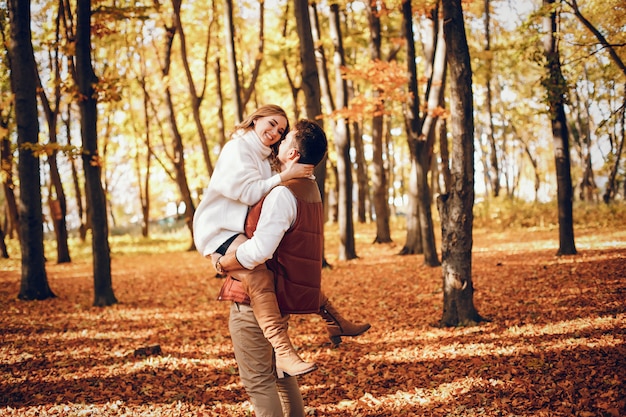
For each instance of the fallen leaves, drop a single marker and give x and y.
(554, 346)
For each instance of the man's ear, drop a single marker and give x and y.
(294, 154)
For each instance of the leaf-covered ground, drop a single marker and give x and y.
(555, 345)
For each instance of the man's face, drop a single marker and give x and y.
(270, 128)
(286, 148)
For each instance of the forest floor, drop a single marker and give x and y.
(555, 344)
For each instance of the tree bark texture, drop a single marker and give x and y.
(196, 98)
(11, 225)
(413, 242)
(455, 208)
(103, 289)
(436, 55)
(315, 84)
(178, 159)
(556, 89)
(380, 189)
(494, 161)
(34, 280)
(420, 144)
(611, 184)
(231, 52)
(56, 198)
(347, 249)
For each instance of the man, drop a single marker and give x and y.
(289, 235)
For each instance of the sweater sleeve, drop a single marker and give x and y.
(277, 215)
(243, 174)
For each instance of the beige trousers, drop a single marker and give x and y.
(270, 396)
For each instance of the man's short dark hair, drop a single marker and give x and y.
(311, 142)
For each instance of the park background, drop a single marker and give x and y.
(171, 79)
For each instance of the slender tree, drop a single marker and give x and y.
(86, 79)
(310, 85)
(421, 135)
(556, 89)
(231, 52)
(196, 96)
(310, 77)
(455, 208)
(57, 199)
(143, 186)
(611, 186)
(8, 185)
(413, 242)
(347, 249)
(494, 168)
(380, 188)
(34, 283)
(10, 226)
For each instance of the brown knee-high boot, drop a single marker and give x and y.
(259, 284)
(336, 324)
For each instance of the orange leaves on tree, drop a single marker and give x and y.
(388, 78)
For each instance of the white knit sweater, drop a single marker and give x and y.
(242, 176)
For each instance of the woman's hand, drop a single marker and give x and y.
(294, 169)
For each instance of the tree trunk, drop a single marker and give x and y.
(581, 135)
(494, 167)
(611, 184)
(57, 200)
(6, 160)
(380, 189)
(4, 253)
(231, 53)
(103, 289)
(347, 248)
(315, 84)
(34, 280)
(413, 242)
(310, 82)
(445, 154)
(180, 175)
(421, 130)
(82, 215)
(196, 99)
(420, 144)
(531, 158)
(310, 78)
(144, 191)
(424, 152)
(219, 103)
(556, 89)
(455, 208)
(258, 58)
(361, 173)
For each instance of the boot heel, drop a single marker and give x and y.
(338, 326)
(281, 373)
(335, 340)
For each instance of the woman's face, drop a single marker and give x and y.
(270, 128)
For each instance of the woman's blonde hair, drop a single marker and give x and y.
(264, 111)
